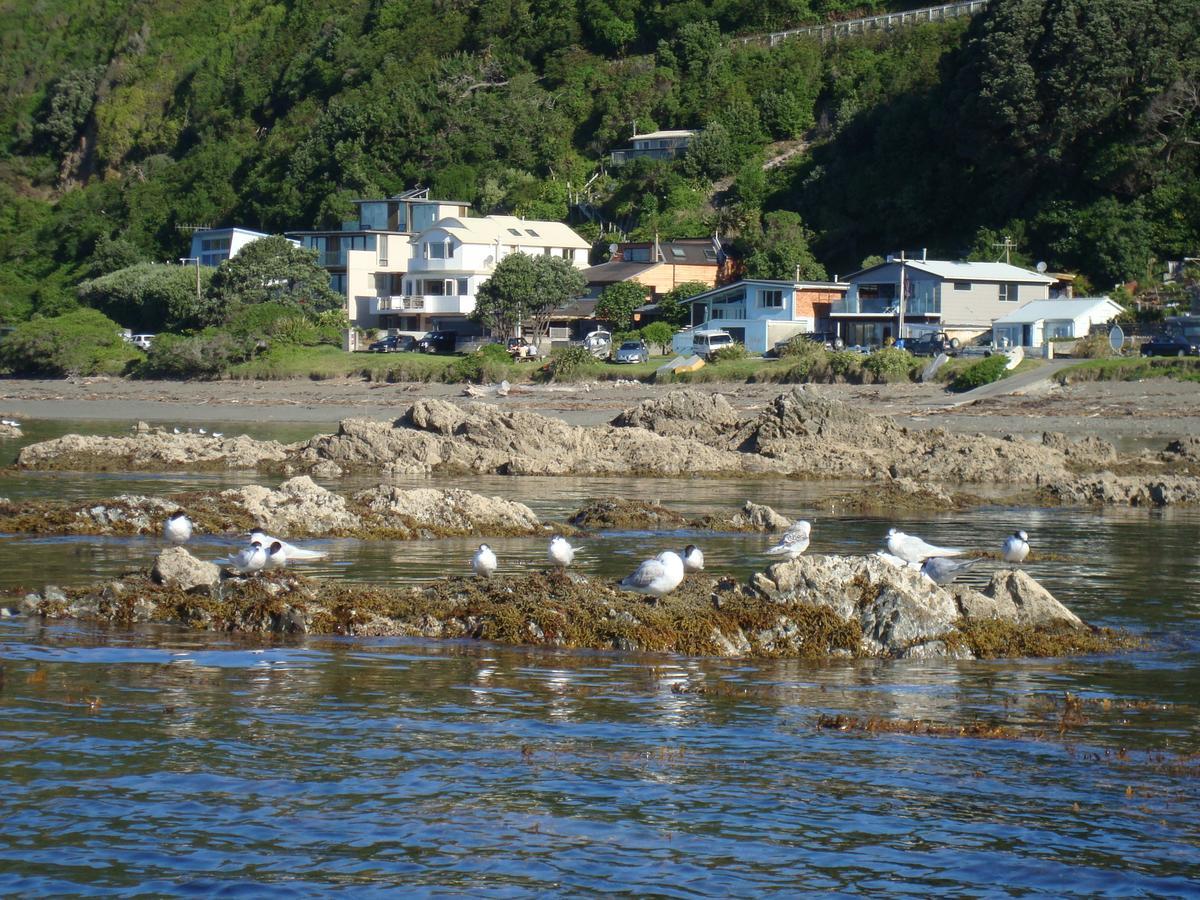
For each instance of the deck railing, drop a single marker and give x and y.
(885, 22)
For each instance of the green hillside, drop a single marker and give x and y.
(1073, 125)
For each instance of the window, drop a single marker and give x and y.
(546, 251)
(962, 285)
(531, 232)
(408, 287)
(677, 252)
(1063, 329)
(436, 250)
(772, 299)
(710, 255)
(463, 290)
(1008, 293)
(566, 253)
(636, 254)
(514, 231)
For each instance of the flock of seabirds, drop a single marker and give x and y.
(655, 577)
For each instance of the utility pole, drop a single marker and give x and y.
(900, 305)
(183, 261)
(1008, 246)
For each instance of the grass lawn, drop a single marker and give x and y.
(325, 361)
(1131, 369)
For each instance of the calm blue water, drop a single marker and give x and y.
(163, 762)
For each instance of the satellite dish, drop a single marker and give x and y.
(612, 248)
(1116, 338)
(1041, 267)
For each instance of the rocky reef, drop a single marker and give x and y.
(683, 433)
(815, 607)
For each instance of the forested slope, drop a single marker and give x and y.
(1072, 124)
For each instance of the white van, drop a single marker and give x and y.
(706, 343)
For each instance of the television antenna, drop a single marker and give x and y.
(1009, 245)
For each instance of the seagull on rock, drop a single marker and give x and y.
(794, 542)
(656, 577)
(560, 553)
(911, 548)
(1016, 548)
(693, 559)
(290, 550)
(940, 570)
(484, 561)
(178, 527)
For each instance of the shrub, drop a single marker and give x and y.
(978, 374)
(487, 364)
(567, 364)
(731, 353)
(83, 342)
(889, 364)
(846, 364)
(1094, 346)
(205, 355)
(799, 346)
(659, 333)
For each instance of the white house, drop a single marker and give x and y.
(960, 298)
(212, 246)
(759, 312)
(655, 145)
(1035, 323)
(455, 255)
(368, 256)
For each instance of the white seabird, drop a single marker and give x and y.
(290, 550)
(911, 548)
(484, 561)
(178, 527)
(940, 570)
(693, 559)
(656, 577)
(560, 553)
(794, 541)
(249, 559)
(1016, 548)
(276, 556)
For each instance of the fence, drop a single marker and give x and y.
(884, 22)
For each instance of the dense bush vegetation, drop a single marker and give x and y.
(980, 373)
(566, 364)
(1068, 124)
(83, 342)
(890, 364)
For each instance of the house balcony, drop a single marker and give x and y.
(440, 304)
(881, 306)
(620, 157)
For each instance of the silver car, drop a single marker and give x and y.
(632, 352)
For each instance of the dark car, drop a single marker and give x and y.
(827, 339)
(1174, 344)
(393, 343)
(438, 342)
(932, 344)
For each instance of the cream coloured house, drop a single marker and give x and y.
(450, 260)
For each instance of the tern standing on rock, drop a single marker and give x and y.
(560, 553)
(911, 548)
(693, 559)
(940, 570)
(656, 577)
(250, 559)
(484, 561)
(794, 542)
(178, 527)
(1016, 548)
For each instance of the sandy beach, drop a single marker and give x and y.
(1119, 411)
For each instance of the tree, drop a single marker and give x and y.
(671, 308)
(659, 333)
(783, 250)
(273, 269)
(154, 297)
(524, 287)
(618, 301)
(83, 342)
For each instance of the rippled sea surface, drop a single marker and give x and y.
(159, 761)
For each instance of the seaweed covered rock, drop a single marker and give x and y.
(448, 511)
(683, 413)
(609, 513)
(1124, 490)
(1089, 450)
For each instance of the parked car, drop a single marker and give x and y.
(632, 352)
(438, 342)
(1172, 344)
(521, 349)
(705, 344)
(827, 339)
(142, 341)
(932, 343)
(393, 343)
(597, 343)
